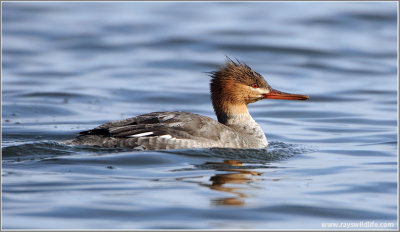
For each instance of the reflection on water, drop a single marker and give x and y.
(235, 176)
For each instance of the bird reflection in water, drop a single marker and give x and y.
(237, 175)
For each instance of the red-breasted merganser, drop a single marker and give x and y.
(232, 87)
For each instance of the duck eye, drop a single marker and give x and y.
(254, 85)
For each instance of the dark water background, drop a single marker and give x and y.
(68, 67)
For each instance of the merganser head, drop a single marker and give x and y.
(235, 85)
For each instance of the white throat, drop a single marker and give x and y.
(245, 125)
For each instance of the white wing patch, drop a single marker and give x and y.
(166, 136)
(141, 134)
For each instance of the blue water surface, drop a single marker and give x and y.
(70, 66)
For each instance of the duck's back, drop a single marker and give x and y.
(161, 130)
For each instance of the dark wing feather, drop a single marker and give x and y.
(148, 127)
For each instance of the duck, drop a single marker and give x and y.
(232, 87)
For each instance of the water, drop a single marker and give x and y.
(70, 66)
